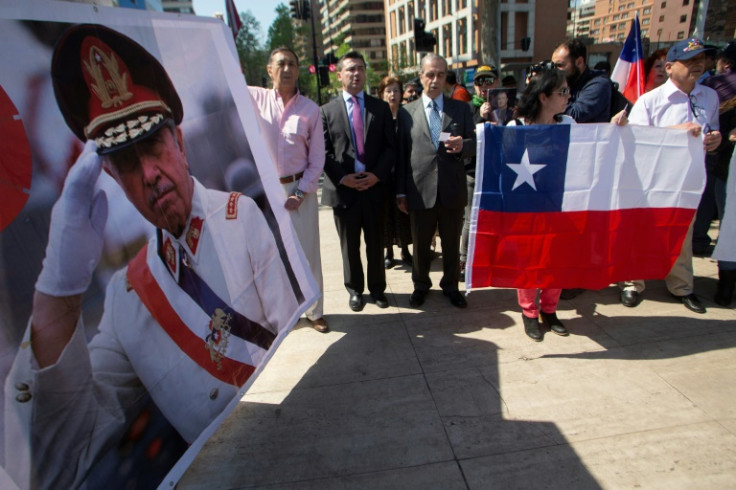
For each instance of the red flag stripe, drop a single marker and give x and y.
(587, 249)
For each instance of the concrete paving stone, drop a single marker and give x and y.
(325, 432)
(729, 425)
(363, 351)
(691, 456)
(473, 414)
(446, 476)
(683, 457)
(487, 336)
(300, 350)
(587, 401)
(550, 467)
(711, 389)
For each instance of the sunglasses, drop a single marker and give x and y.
(485, 81)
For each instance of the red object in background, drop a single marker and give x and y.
(332, 67)
(233, 18)
(312, 69)
(15, 162)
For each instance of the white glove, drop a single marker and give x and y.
(76, 232)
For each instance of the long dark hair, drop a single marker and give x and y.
(545, 82)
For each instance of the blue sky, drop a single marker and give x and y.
(263, 10)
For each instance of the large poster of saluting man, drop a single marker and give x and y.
(146, 275)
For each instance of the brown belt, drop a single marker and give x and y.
(291, 178)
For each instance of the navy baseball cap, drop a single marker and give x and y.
(689, 48)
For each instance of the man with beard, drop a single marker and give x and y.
(590, 93)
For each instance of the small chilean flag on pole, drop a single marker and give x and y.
(582, 205)
(629, 69)
(233, 18)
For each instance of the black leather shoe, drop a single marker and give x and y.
(417, 298)
(692, 303)
(531, 328)
(554, 323)
(356, 302)
(389, 262)
(456, 298)
(380, 300)
(630, 298)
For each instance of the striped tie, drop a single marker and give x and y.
(435, 124)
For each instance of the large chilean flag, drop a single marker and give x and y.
(587, 205)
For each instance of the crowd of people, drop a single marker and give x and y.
(396, 174)
(414, 159)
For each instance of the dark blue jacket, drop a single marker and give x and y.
(590, 99)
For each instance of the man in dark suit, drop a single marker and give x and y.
(436, 133)
(360, 153)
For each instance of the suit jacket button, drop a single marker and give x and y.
(23, 397)
(22, 386)
(214, 393)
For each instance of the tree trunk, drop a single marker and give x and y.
(488, 18)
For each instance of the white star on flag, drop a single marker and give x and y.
(525, 171)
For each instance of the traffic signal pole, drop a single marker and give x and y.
(302, 10)
(316, 62)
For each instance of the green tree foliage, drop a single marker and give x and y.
(252, 55)
(281, 32)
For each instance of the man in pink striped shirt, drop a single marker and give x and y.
(292, 130)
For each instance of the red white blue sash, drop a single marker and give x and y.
(215, 336)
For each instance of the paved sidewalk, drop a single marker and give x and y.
(441, 398)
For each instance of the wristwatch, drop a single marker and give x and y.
(299, 194)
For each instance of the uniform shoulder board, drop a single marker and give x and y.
(232, 205)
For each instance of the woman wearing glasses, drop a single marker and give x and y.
(542, 102)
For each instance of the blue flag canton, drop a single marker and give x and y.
(524, 168)
(632, 50)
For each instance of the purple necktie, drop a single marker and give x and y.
(358, 128)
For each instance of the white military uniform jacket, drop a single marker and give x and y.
(60, 419)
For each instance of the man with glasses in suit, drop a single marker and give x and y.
(679, 103)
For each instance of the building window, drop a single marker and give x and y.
(630, 6)
(616, 17)
(647, 10)
(447, 38)
(613, 27)
(683, 18)
(645, 22)
(597, 22)
(681, 35)
(664, 4)
(645, 32)
(685, 2)
(462, 36)
(661, 18)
